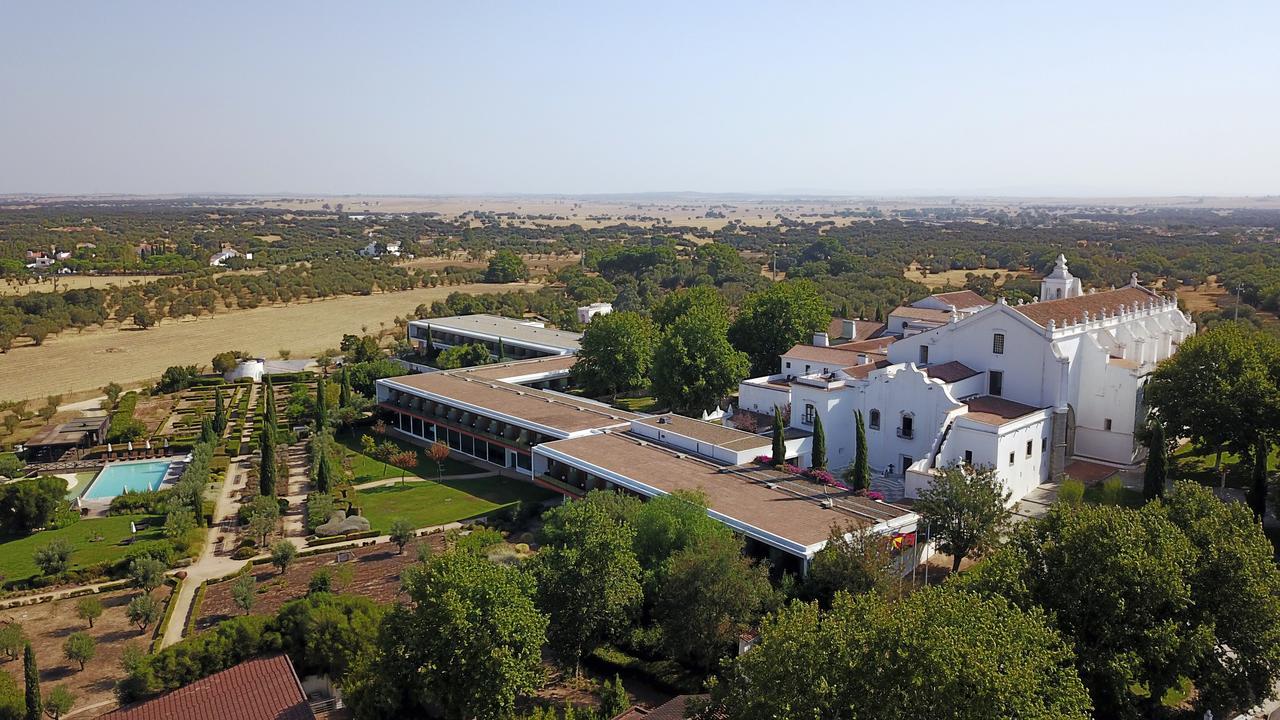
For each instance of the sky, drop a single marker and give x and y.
(861, 98)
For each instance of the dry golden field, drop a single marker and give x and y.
(955, 278)
(73, 282)
(72, 362)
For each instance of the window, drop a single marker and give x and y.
(907, 429)
(809, 412)
(1028, 448)
(968, 457)
(924, 354)
(997, 343)
(806, 369)
(1010, 458)
(874, 420)
(995, 385)
(1044, 444)
(522, 461)
(1106, 424)
(788, 364)
(904, 324)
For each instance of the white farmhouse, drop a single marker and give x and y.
(1023, 388)
(221, 257)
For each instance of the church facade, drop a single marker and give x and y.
(955, 378)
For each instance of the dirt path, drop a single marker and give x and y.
(294, 521)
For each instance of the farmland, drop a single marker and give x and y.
(72, 362)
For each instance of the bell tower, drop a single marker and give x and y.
(1060, 283)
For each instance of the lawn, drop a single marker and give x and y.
(366, 469)
(15, 554)
(1194, 463)
(431, 503)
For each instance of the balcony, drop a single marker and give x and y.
(906, 433)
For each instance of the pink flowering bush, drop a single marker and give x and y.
(793, 469)
(764, 459)
(822, 476)
(875, 495)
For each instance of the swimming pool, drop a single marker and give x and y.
(134, 477)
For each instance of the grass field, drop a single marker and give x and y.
(430, 503)
(366, 469)
(72, 362)
(15, 555)
(1198, 464)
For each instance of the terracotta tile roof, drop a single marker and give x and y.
(963, 299)
(950, 372)
(861, 371)
(1087, 472)
(260, 689)
(673, 709)
(1070, 310)
(993, 410)
(835, 356)
(862, 329)
(927, 314)
(873, 345)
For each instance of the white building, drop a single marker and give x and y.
(586, 312)
(1023, 388)
(221, 257)
(377, 249)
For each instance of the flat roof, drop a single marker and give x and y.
(963, 299)
(520, 368)
(71, 432)
(710, 433)
(926, 314)
(992, 410)
(790, 510)
(555, 411)
(496, 326)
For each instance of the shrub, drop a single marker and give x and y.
(1071, 492)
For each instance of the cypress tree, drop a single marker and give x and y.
(207, 435)
(1157, 472)
(267, 470)
(324, 471)
(344, 389)
(322, 403)
(844, 310)
(32, 675)
(819, 444)
(779, 437)
(1258, 493)
(219, 413)
(860, 473)
(269, 413)
(502, 350)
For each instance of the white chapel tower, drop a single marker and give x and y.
(1060, 283)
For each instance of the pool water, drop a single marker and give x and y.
(134, 477)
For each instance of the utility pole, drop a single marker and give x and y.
(1236, 316)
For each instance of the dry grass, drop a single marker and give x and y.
(72, 362)
(955, 278)
(1204, 298)
(61, 283)
(48, 624)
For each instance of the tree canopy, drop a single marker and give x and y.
(771, 321)
(616, 354)
(694, 366)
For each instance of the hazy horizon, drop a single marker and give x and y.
(1086, 100)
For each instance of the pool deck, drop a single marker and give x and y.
(97, 507)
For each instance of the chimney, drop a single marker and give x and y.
(848, 329)
(821, 340)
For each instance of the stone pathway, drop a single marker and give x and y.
(210, 564)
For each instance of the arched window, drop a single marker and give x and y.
(907, 428)
(874, 420)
